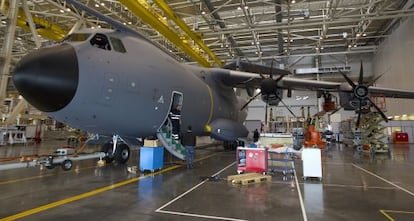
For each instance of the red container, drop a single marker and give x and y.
(400, 137)
(251, 160)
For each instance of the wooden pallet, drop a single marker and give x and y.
(248, 178)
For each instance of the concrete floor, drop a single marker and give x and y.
(354, 187)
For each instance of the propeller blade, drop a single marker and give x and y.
(374, 80)
(359, 114)
(361, 74)
(271, 69)
(250, 100)
(336, 110)
(284, 104)
(280, 77)
(350, 82)
(379, 110)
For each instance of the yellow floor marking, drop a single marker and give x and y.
(385, 213)
(37, 177)
(90, 193)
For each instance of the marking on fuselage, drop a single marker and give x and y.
(161, 99)
(211, 104)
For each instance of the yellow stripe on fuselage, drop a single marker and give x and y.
(211, 108)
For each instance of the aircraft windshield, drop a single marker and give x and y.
(100, 41)
(77, 37)
(117, 45)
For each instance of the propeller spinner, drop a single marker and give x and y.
(361, 93)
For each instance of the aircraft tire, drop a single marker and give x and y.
(122, 153)
(67, 164)
(107, 149)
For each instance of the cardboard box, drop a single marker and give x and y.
(152, 143)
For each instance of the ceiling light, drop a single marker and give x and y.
(305, 97)
(345, 34)
(129, 23)
(61, 11)
(358, 34)
(355, 45)
(96, 5)
(246, 7)
(203, 12)
(293, 2)
(3, 22)
(364, 34)
(349, 46)
(68, 10)
(238, 8)
(102, 4)
(321, 47)
(291, 40)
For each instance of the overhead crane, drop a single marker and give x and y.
(141, 9)
(196, 37)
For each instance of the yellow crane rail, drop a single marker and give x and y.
(141, 9)
(45, 28)
(196, 37)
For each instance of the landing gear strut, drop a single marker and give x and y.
(116, 150)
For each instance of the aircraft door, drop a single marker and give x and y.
(175, 113)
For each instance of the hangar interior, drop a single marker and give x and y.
(312, 39)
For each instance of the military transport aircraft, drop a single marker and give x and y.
(118, 83)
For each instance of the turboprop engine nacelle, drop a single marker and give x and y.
(227, 130)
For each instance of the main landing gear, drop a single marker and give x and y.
(116, 150)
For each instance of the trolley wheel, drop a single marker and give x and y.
(67, 164)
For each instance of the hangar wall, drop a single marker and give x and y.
(395, 59)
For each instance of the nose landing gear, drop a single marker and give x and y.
(116, 150)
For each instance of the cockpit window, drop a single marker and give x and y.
(100, 41)
(117, 45)
(77, 37)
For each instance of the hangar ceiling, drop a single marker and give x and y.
(255, 30)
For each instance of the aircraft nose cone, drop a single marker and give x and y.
(48, 78)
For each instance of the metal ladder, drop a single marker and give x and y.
(172, 145)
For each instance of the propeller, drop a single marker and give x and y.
(269, 87)
(361, 92)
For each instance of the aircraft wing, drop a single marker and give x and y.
(243, 79)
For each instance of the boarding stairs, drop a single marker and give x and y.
(172, 145)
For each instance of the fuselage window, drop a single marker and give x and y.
(77, 37)
(117, 45)
(100, 41)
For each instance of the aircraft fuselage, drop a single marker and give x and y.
(127, 90)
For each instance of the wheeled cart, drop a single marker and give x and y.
(281, 162)
(251, 160)
(312, 164)
(151, 158)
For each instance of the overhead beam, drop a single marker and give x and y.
(141, 9)
(196, 37)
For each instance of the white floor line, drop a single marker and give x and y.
(302, 205)
(385, 180)
(200, 216)
(159, 210)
